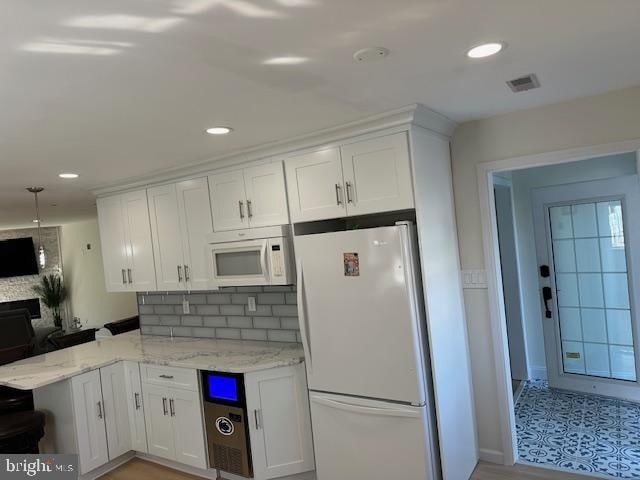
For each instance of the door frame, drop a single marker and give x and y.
(497, 318)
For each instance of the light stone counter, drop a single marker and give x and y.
(236, 356)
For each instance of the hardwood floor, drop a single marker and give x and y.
(138, 469)
(490, 471)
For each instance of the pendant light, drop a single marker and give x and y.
(42, 257)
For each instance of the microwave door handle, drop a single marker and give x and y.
(263, 260)
(303, 317)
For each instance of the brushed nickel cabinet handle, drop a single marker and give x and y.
(257, 415)
(179, 273)
(338, 196)
(249, 209)
(172, 407)
(136, 399)
(100, 414)
(168, 377)
(164, 406)
(124, 276)
(349, 198)
(186, 273)
(129, 275)
(241, 207)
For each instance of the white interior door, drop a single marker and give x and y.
(195, 224)
(361, 439)
(266, 195)
(588, 234)
(336, 302)
(167, 241)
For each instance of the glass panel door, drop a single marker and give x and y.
(592, 289)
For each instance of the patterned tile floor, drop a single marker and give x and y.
(580, 432)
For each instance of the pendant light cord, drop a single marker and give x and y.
(38, 218)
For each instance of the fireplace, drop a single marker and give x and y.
(31, 304)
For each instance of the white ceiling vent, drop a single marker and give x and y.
(522, 84)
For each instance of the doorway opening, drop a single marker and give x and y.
(568, 250)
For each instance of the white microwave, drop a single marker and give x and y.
(257, 256)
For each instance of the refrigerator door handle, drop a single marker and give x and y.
(349, 407)
(304, 318)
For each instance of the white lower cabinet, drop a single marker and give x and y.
(173, 417)
(280, 426)
(88, 410)
(135, 407)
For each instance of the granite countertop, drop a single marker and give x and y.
(236, 356)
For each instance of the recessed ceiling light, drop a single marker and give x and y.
(289, 60)
(485, 50)
(371, 54)
(68, 175)
(219, 130)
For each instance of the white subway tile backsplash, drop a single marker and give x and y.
(223, 314)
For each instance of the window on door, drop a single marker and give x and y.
(592, 287)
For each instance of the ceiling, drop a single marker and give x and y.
(148, 76)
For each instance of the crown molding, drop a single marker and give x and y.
(415, 114)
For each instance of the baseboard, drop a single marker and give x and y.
(107, 467)
(491, 456)
(210, 473)
(538, 373)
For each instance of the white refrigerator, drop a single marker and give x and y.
(363, 331)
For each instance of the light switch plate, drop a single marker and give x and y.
(474, 279)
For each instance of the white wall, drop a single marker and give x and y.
(524, 181)
(84, 277)
(596, 120)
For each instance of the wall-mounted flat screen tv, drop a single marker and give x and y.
(17, 257)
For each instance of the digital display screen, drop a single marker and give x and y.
(222, 388)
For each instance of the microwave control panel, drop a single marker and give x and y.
(277, 260)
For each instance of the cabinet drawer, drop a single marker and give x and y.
(184, 378)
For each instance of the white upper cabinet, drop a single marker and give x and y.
(228, 201)
(113, 243)
(125, 236)
(315, 186)
(266, 195)
(370, 176)
(167, 243)
(252, 197)
(180, 219)
(377, 175)
(195, 224)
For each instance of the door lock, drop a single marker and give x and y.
(546, 296)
